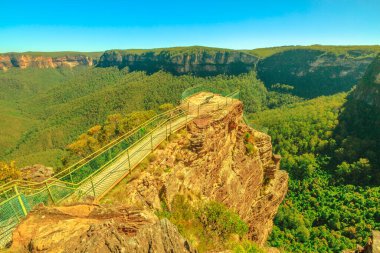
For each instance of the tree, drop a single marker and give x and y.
(9, 171)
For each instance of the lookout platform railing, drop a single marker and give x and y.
(94, 176)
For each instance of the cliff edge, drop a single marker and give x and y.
(92, 228)
(216, 158)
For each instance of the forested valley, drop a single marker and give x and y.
(329, 144)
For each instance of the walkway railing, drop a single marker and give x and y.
(95, 175)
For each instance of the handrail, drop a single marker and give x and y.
(202, 88)
(102, 149)
(135, 143)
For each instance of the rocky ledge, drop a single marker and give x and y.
(92, 228)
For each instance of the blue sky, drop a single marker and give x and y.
(63, 25)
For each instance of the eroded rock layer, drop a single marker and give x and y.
(24, 61)
(91, 228)
(198, 62)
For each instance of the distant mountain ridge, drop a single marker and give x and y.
(312, 70)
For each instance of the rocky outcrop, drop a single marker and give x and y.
(314, 72)
(91, 228)
(23, 61)
(199, 61)
(36, 173)
(211, 161)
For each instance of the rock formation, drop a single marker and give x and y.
(91, 228)
(200, 62)
(211, 161)
(23, 61)
(36, 173)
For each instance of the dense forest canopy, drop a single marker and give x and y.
(321, 212)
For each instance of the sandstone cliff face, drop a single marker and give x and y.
(90, 228)
(23, 61)
(200, 63)
(210, 162)
(313, 72)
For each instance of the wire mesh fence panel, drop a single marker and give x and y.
(11, 213)
(41, 197)
(59, 191)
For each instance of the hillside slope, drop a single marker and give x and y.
(358, 132)
(314, 72)
(321, 212)
(58, 105)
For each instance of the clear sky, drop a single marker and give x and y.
(84, 25)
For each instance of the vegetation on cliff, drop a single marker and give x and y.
(211, 226)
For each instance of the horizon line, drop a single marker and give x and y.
(171, 47)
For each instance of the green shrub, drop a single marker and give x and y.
(218, 219)
(166, 107)
(251, 149)
(247, 247)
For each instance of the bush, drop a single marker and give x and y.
(9, 171)
(166, 107)
(248, 247)
(251, 149)
(216, 218)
